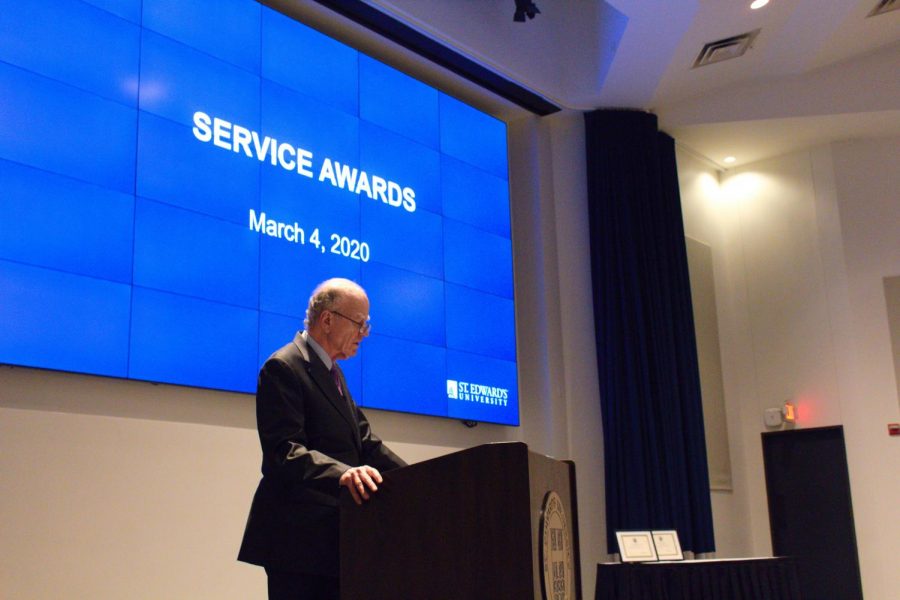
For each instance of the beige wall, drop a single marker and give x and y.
(868, 198)
(801, 244)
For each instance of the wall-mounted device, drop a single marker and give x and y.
(774, 417)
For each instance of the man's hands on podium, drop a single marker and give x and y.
(361, 481)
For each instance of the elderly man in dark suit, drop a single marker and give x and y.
(314, 441)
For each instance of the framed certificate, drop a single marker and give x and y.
(666, 545)
(636, 546)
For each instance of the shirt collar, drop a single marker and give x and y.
(318, 350)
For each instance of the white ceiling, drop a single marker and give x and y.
(819, 71)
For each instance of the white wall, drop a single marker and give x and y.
(868, 198)
(706, 219)
(800, 245)
(108, 507)
(120, 489)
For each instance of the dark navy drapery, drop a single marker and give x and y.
(655, 453)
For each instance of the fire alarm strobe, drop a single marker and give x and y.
(893, 428)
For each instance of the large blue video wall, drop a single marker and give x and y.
(177, 175)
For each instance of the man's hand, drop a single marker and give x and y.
(360, 481)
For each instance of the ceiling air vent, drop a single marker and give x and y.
(726, 49)
(884, 6)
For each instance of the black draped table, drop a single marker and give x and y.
(720, 579)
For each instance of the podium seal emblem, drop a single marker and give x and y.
(558, 572)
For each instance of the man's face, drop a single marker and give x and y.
(343, 335)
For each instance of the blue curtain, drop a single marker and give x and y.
(655, 451)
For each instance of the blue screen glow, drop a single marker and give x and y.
(175, 179)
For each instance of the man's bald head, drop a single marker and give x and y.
(329, 295)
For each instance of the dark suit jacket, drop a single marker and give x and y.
(310, 434)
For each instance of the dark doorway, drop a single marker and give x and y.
(810, 512)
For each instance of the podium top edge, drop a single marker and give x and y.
(513, 446)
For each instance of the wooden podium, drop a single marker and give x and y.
(495, 521)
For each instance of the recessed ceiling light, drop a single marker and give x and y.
(729, 159)
(758, 4)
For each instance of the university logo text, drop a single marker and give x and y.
(467, 391)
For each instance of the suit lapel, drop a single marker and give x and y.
(322, 378)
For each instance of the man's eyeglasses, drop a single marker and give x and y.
(364, 326)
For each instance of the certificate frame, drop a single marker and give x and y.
(636, 546)
(667, 545)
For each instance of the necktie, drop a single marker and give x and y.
(337, 379)
(350, 406)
